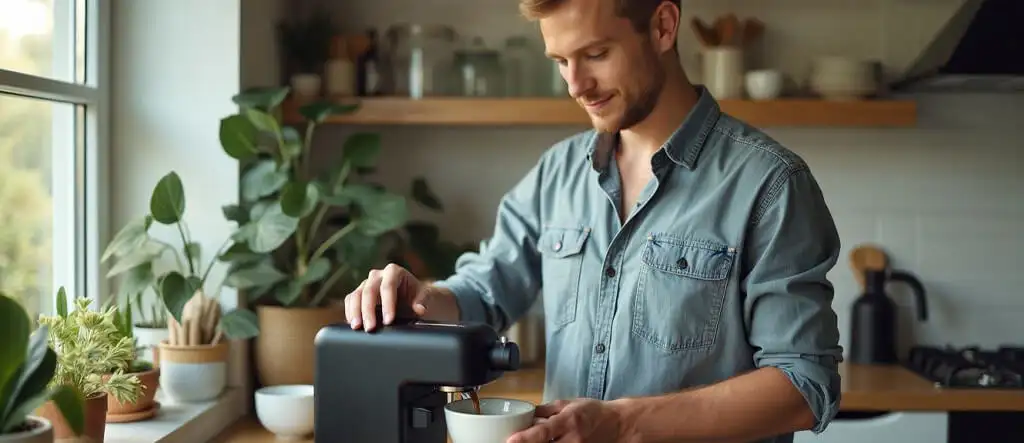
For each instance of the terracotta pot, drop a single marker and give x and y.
(37, 430)
(194, 373)
(95, 420)
(284, 348)
(126, 412)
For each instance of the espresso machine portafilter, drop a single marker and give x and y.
(390, 385)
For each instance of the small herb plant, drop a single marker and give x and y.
(89, 346)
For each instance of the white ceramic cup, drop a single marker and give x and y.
(286, 410)
(764, 84)
(499, 418)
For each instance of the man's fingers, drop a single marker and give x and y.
(370, 297)
(391, 277)
(352, 306)
(548, 409)
(542, 432)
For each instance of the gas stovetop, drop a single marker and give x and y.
(969, 367)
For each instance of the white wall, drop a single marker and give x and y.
(945, 198)
(175, 67)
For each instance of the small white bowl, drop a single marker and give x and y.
(286, 410)
(499, 418)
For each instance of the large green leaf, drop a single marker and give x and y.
(316, 271)
(240, 324)
(262, 120)
(289, 292)
(144, 253)
(14, 330)
(235, 213)
(167, 205)
(292, 142)
(71, 405)
(270, 230)
(357, 250)
(425, 196)
(128, 238)
(262, 180)
(240, 254)
(239, 137)
(35, 373)
(174, 290)
(361, 149)
(262, 97)
(298, 199)
(382, 213)
(257, 274)
(317, 112)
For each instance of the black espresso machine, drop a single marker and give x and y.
(390, 385)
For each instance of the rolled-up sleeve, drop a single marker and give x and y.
(500, 281)
(792, 245)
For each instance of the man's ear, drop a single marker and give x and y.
(665, 26)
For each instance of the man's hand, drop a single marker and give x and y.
(576, 421)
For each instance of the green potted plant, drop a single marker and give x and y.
(88, 346)
(144, 407)
(27, 368)
(284, 257)
(197, 329)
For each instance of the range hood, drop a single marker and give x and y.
(980, 49)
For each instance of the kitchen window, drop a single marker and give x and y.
(53, 139)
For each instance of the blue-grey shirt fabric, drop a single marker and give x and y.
(719, 269)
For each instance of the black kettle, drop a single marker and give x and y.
(873, 338)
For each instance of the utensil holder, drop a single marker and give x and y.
(723, 74)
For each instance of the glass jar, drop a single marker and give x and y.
(479, 71)
(524, 65)
(421, 58)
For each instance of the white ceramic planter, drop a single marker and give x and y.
(149, 340)
(193, 374)
(43, 433)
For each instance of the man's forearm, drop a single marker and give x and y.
(756, 405)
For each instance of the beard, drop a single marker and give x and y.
(651, 82)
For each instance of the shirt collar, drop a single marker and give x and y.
(685, 144)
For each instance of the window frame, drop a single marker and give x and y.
(90, 98)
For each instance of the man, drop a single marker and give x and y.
(682, 254)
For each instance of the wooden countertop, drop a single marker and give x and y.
(865, 388)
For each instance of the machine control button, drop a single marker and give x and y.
(421, 418)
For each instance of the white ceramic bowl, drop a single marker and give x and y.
(764, 84)
(286, 410)
(499, 418)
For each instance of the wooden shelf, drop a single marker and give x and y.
(560, 112)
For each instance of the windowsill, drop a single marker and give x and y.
(182, 422)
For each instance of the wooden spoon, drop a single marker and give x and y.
(705, 34)
(867, 257)
(752, 30)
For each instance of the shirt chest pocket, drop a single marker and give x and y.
(681, 291)
(561, 252)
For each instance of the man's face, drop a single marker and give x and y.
(612, 71)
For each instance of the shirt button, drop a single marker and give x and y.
(557, 246)
(682, 263)
(599, 348)
(610, 272)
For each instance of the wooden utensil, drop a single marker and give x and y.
(729, 30)
(867, 257)
(705, 34)
(752, 30)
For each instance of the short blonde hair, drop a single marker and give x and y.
(638, 12)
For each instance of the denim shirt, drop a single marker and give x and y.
(719, 269)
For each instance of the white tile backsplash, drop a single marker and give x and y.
(946, 199)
